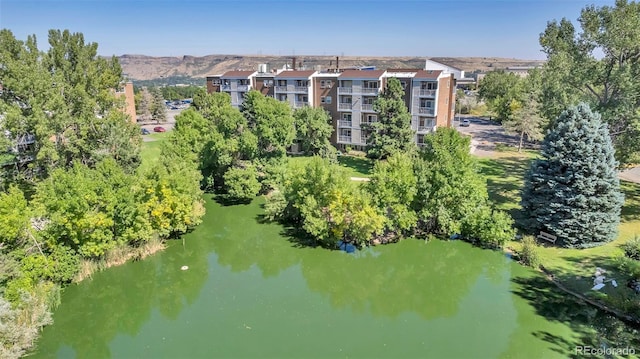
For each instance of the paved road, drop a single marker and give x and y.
(485, 134)
(168, 125)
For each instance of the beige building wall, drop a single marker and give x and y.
(130, 101)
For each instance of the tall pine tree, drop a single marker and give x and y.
(573, 192)
(392, 132)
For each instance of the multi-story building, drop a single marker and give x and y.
(126, 91)
(294, 87)
(357, 91)
(235, 83)
(348, 96)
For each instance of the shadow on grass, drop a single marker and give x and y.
(592, 327)
(631, 208)
(359, 164)
(226, 201)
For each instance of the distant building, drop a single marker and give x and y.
(348, 96)
(522, 71)
(126, 91)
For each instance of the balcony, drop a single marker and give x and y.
(345, 106)
(426, 111)
(427, 93)
(26, 140)
(303, 89)
(367, 107)
(242, 88)
(342, 123)
(299, 104)
(225, 87)
(344, 90)
(343, 138)
(428, 128)
(370, 91)
(281, 88)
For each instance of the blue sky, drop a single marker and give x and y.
(503, 28)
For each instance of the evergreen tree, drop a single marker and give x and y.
(574, 191)
(392, 132)
(157, 107)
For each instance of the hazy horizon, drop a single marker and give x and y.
(359, 28)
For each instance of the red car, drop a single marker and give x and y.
(159, 129)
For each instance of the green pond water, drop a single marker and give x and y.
(251, 292)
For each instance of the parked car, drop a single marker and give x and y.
(159, 129)
(145, 131)
(465, 123)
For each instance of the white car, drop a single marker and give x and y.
(465, 123)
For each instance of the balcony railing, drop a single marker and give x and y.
(428, 128)
(26, 140)
(304, 89)
(342, 123)
(345, 106)
(427, 93)
(370, 91)
(367, 107)
(299, 104)
(281, 88)
(243, 88)
(225, 87)
(343, 138)
(425, 110)
(345, 90)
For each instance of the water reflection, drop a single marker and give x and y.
(250, 293)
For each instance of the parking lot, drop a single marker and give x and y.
(168, 125)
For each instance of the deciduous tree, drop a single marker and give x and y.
(598, 65)
(313, 130)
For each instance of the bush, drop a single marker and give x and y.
(529, 254)
(242, 183)
(632, 248)
(487, 227)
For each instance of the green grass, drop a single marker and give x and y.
(574, 267)
(151, 150)
(355, 166)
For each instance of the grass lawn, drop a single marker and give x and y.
(574, 267)
(355, 166)
(151, 150)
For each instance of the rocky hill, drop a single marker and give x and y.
(140, 67)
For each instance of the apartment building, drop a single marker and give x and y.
(234, 83)
(348, 97)
(357, 91)
(126, 92)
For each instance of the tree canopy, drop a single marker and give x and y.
(600, 65)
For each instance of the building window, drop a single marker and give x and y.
(368, 119)
(325, 99)
(216, 82)
(326, 84)
(429, 86)
(346, 117)
(268, 83)
(403, 84)
(370, 84)
(427, 104)
(282, 82)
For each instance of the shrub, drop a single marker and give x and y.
(632, 248)
(487, 227)
(529, 254)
